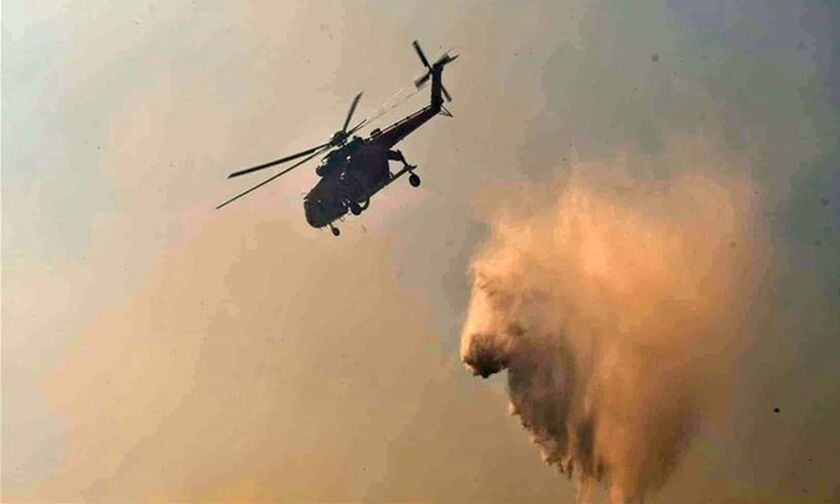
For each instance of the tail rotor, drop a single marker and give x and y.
(431, 68)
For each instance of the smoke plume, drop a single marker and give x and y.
(617, 305)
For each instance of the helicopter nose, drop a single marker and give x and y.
(313, 213)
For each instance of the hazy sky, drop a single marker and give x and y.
(154, 348)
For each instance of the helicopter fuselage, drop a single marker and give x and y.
(351, 177)
(352, 181)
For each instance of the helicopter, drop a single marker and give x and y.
(354, 168)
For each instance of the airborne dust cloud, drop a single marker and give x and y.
(617, 307)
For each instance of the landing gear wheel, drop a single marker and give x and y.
(355, 208)
(335, 231)
(414, 180)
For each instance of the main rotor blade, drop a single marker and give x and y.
(356, 127)
(350, 113)
(266, 181)
(277, 161)
(420, 53)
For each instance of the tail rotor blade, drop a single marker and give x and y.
(420, 53)
(443, 59)
(266, 181)
(445, 93)
(350, 113)
(418, 82)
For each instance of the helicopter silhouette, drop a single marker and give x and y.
(355, 168)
